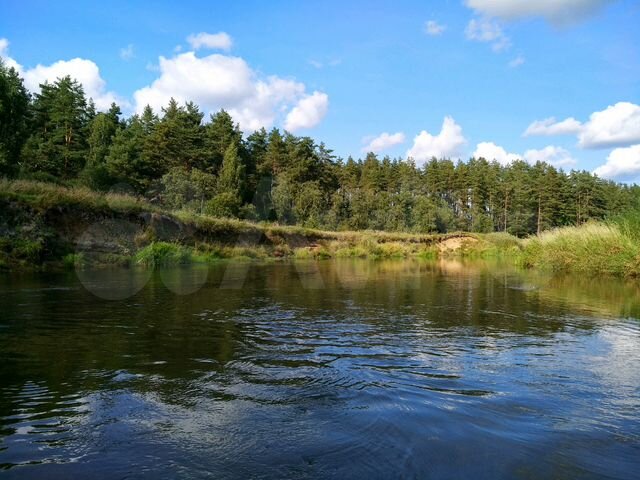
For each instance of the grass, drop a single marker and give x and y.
(593, 248)
(164, 254)
(43, 195)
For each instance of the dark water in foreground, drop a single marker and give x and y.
(352, 370)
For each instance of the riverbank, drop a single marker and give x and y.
(47, 226)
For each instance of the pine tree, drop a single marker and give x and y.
(220, 133)
(177, 140)
(127, 162)
(102, 130)
(58, 144)
(14, 112)
(230, 185)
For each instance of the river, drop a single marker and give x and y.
(331, 369)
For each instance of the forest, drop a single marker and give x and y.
(180, 160)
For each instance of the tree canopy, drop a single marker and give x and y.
(176, 158)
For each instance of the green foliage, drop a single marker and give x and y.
(225, 204)
(232, 173)
(73, 260)
(187, 189)
(180, 162)
(163, 254)
(102, 130)
(14, 112)
(592, 248)
(127, 160)
(220, 134)
(628, 223)
(60, 119)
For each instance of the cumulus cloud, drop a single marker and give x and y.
(490, 151)
(220, 81)
(487, 31)
(4, 54)
(622, 164)
(127, 53)
(556, 156)
(218, 41)
(616, 126)
(383, 141)
(215, 80)
(309, 111)
(433, 28)
(84, 71)
(448, 143)
(269, 97)
(555, 11)
(549, 126)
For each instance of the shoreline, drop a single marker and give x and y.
(45, 227)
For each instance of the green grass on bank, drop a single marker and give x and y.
(43, 195)
(593, 248)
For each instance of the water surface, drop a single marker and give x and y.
(351, 369)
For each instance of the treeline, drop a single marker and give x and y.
(176, 159)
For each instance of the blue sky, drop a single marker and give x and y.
(472, 80)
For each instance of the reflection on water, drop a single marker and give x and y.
(318, 370)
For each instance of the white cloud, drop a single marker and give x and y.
(84, 71)
(549, 126)
(4, 54)
(309, 111)
(616, 126)
(219, 81)
(4, 48)
(487, 31)
(219, 41)
(433, 28)
(448, 143)
(516, 62)
(490, 151)
(383, 141)
(270, 97)
(622, 164)
(215, 80)
(556, 11)
(556, 156)
(334, 62)
(127, 52)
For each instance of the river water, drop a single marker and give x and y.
(335, 369)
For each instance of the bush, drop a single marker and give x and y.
(225, 204)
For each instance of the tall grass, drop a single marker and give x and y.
(593, 248)
(45, 195)
(163, 254)
(628, 223)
